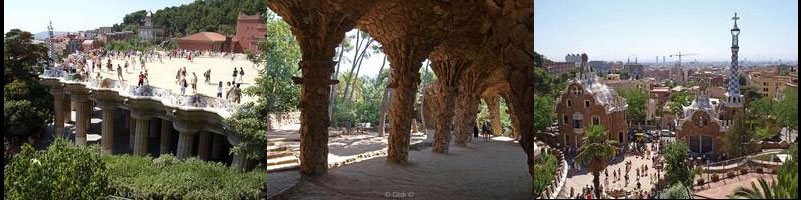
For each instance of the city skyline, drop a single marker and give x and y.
(619, 30)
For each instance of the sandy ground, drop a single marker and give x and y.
(162, 74)
(577, 179)
(484, 170)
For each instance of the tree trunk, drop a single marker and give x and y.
(422, 103)
(465, 117)
(596, 181)
(333, 96)
(444, 117)
(353, 64)
(358, 68)
(385, 100)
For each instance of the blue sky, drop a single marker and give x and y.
(613, 30)
(33, 15)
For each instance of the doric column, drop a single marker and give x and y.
(186, 140)
(217, 146)
(204, 145)
(140, 140)
(58, 103)
(131, 131)
(82, 107)
(107, 139)
(67, 109)
(166, 136)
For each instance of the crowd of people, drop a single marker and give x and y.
(82, 65)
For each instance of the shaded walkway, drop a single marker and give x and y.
(484, 170)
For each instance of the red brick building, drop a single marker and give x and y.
(204, 41)
(701, 127)
(587, 102)
(559, 68)
(249, 30)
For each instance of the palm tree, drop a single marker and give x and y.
(764, 191)
(596, 149)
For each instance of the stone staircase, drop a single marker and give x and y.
(280, 158)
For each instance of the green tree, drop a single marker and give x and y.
(740, 138)
(595, 151)
(21, 56)
(787, 110)
(764, 191)
(637, 100)
(545, 114)
(677, 169)
(63, 171)
(676, 191)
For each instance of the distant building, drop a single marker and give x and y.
(657, 74)
(104, 30)
(250, 29)
(601, 67)
(204, 41)
(116, 35)
(585, 102)
(574, 58)
(636, 70)
(701, 127)
(149, 33)
(769, 84)
(558, 68)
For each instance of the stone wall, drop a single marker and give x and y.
(282, 119)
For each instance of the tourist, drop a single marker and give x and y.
(237, 94)
(126, 66)
(194, 83)
(141, 78)
(98, 77)
(183, 86)
(119, 73)
(183, 73)
(227, 90)
(178, 77)
(146, 79)
(241, 74)
(219, 90)
(235, 73)
(475, 130)
(207, 75)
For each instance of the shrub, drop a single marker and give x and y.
(167, 177)
(546, 168)
(61, 171)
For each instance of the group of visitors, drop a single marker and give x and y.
(587, 192)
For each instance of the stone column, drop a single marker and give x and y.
(67, 108)
(444, 118)
(494, 105)
(154, 128)
(58, 103)
(465, 117)
(131, 131)
(314, 102)
(166, 136)
(82, 107)
(186, 140)
(217, 146)
(140, 140)
(204, 145)
(107, 139)
(240, 163)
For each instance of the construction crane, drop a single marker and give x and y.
(682, 55)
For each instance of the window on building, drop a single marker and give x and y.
(576, 123)
(586, 103)
(596, 121)
(569, 103)
(564, 119)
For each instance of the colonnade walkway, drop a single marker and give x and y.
(483, 170)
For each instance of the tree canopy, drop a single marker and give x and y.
(201, 15)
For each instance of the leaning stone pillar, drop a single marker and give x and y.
(444, 118)
(82, 107)
(107, 139)
(140, 140)
(166, 137)
(465, 117)
(494, 105)
(204, 145)
(406, 77)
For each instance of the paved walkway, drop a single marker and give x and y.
(484, 170)
(722, 188)
(162, 74)
(577, 179)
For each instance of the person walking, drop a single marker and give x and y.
(237, 94)
(194, 83)
(126, 66)
(235, 73)
(219, 90)
(141, 78)
(183, 86)
(241, 73)
(228, 90)
(146, 79)
(207, 75)
(119, 73)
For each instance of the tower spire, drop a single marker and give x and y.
(733, 96)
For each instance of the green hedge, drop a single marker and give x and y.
(62, 171)
(167, 177)
(546, 166)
